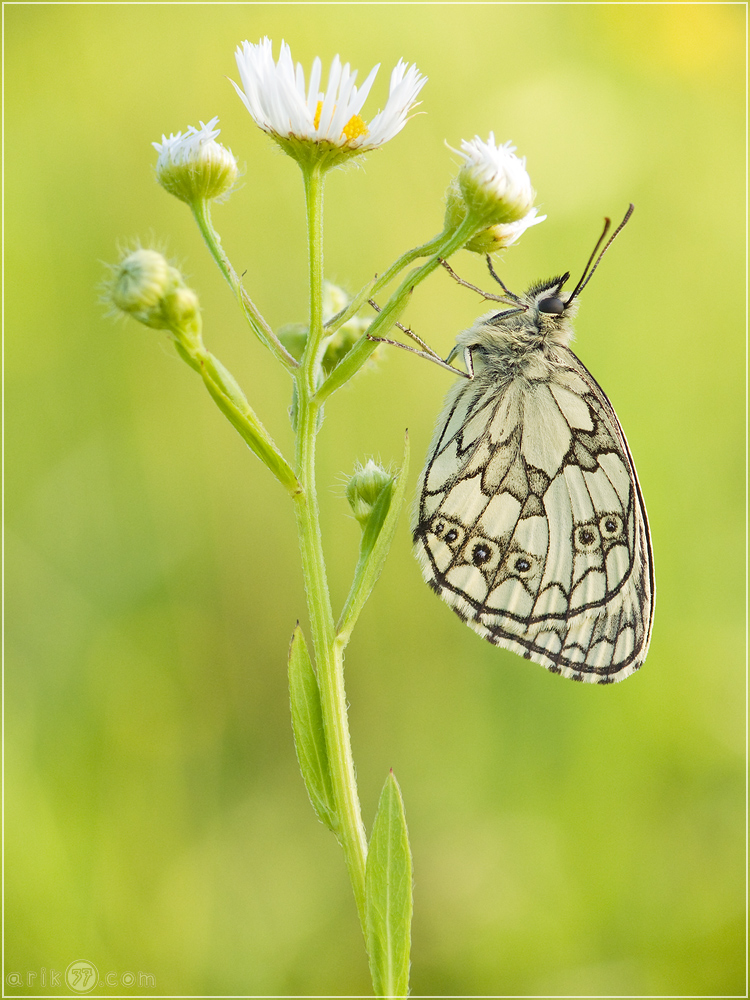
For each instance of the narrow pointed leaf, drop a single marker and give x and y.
(374, 546)
(231, 400)
(309, 738)
(388, 887)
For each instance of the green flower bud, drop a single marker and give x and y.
(342, 341)
(293, 337)
(145, 286)
(365, 488)
(494, 183)
(338, 345)
(455, 207)
(503, 234)
(334, 300)
(194, 167)
(182, 309)
(141, 283)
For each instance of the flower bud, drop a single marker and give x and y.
(145, 286)
(182, 310)
(365, 488)
(342, 341)
(293, 336)
(455, 207)
(194, 167)
(338, 345)
(334, 300)
(494, 183)
(503, 234)
(140, 285)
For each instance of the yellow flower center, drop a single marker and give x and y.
(353, 129)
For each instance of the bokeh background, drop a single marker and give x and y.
(567, 839)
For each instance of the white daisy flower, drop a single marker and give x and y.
(310, 123)
(494, 182)
(193, 166)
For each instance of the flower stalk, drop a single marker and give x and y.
(441, 247)
(202, 215)
(329, 654)
(488, 206)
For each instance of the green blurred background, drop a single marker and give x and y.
(567, 839)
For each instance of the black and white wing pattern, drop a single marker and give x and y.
(530, 522)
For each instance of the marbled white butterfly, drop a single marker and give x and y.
(530, 522)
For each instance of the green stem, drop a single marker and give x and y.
(380, 281)
(314, 178)
(329, 657)
(260, 327)
(442, 247)
(425, 250)
(230, 399)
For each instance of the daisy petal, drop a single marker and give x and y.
(326, 124)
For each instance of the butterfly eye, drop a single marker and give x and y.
(587, 538)
(552, 305)
(610, 525)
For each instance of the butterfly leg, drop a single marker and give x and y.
(428, 353)
(497, 279)
(475, 288)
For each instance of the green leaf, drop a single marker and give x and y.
(230, 399)
(388, 888)
(374, 546)
(309, 737)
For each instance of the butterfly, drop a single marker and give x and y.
(530, 521)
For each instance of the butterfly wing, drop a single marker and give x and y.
(531, 525)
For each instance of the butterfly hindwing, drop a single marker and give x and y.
(531, 526)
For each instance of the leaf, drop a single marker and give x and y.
(309, 736)
(388, 895)
(230, 399)
(374, 546)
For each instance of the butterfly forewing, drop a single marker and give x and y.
(530, 522)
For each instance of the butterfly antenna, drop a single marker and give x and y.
(591, 267)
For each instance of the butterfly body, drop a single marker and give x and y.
(530, 521)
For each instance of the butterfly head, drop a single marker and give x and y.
(514, 338)
(547, 304)
(534, 324)
(553, 304)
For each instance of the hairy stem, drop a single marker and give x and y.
(441, 247)
(260, 327)
(329, 656)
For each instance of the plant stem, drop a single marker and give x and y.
(329, 658)
(260, 327)
(441, 247)
(380, 281)
(425, 250)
